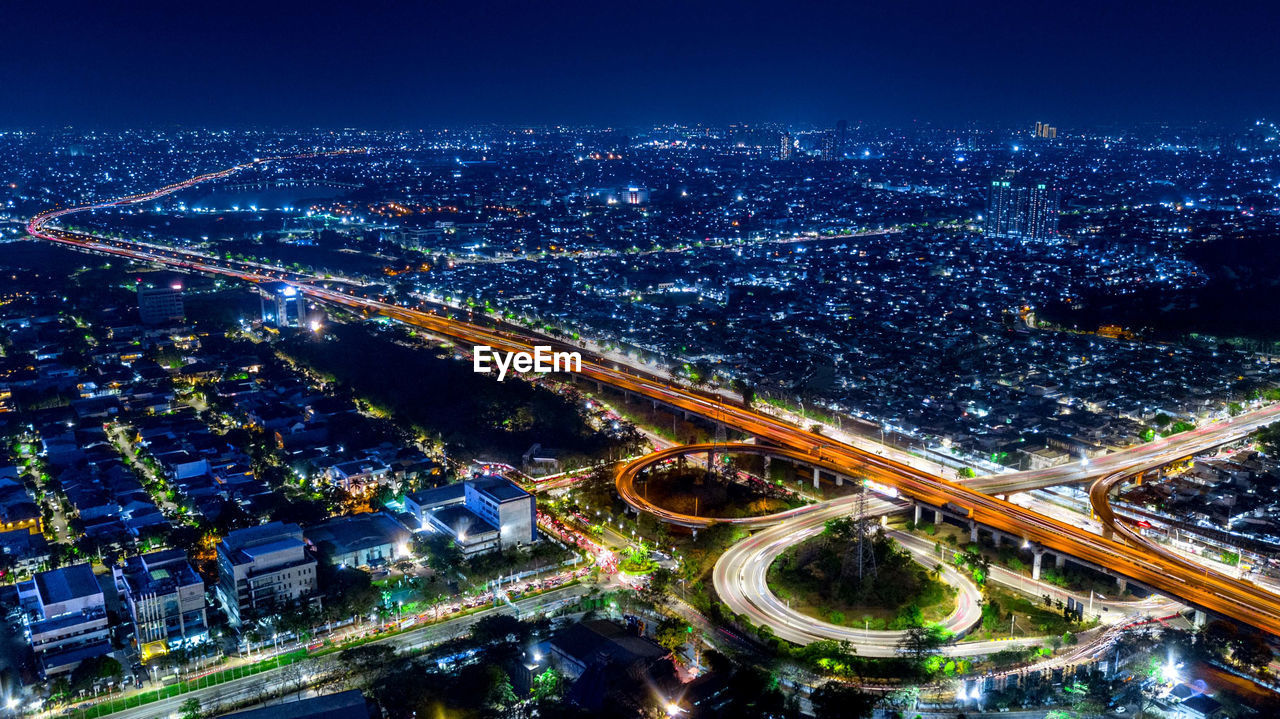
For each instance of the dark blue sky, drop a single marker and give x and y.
(379, 64)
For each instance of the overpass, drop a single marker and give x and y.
(1232, 598)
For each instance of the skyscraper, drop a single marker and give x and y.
(842, 137)
(1046, 131)
(1021, 208)
(784, 146)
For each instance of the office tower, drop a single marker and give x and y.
(842, 138)
(1021, 208)
(283, 306)
(784, 146)
(263, 567)
(157, 305)
(827, 146)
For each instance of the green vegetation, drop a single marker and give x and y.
(392, 375)
(692, 490)
(1004, 610)
(820, 578)
(637, 561)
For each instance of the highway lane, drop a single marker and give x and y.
(1100, 500)
(628, 473)
(1234, 599)
(831, 455)
(1154, 453)
(272, 681)
(740, 579)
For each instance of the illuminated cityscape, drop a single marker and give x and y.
(575, 361)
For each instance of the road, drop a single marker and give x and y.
(1229, 597)
(1155, 453)
(273, 681)
(740, 579)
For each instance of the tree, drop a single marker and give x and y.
(1252, 651)
(1218, 636)
(655, 590)
(367, 660)
(496, 628)
(672, 633)
(351, 592)
(94, 669)
(500, 694)
(189, 709)
(834, 700)
(922, 642)
(548, 685)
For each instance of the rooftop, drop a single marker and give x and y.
(67, 584)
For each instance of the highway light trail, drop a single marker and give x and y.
(1233, 598)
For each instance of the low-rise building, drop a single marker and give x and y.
(66, 617)
(361, 540)
(166, 601)
(262, 567)
(481, 515)
(507, 507)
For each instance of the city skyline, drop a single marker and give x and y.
(707, 360)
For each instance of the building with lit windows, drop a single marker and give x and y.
(283, 306)
(158, 305)
(1022, 208)
(166, 601)
(481, 515)
(65, 614)
(263, 567)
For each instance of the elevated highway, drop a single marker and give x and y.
(1232, 598)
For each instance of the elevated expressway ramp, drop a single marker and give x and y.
(1232, 598)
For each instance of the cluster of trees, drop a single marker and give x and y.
(468, 411)
(1225, 640)
(827, 567)
(440, 684)
(90, 672)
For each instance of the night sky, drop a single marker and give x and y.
(376, 64)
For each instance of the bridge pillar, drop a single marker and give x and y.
(1107, 533)
(767, 462)
(695, 534)
(711, 460)
(937, 517)
(919, 512)
(816, 473)
(1059, 560)
(1122, 584)
(1035, 564)
(973, 531)
(1198, 620)
(839, 480)
(655, 404)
